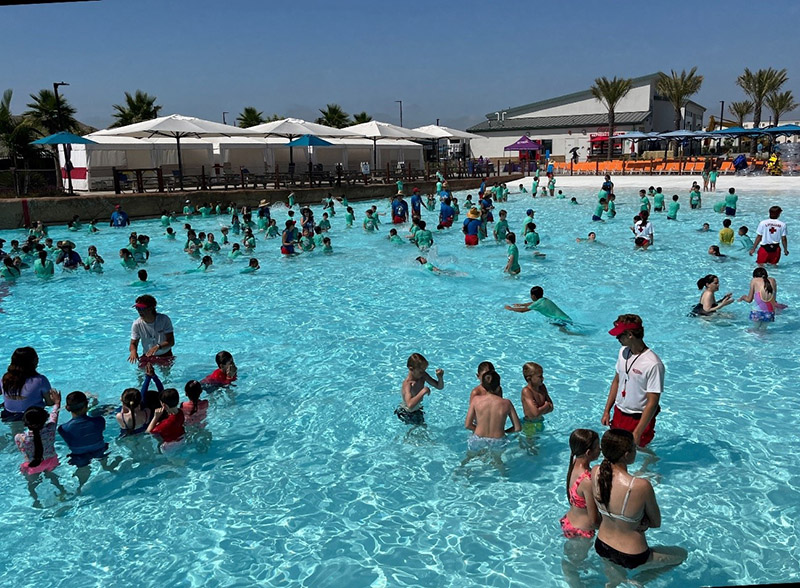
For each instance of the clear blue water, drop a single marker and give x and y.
(305, 477)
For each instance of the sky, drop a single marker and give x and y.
(452, 61)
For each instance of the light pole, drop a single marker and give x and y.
(67, 147)
(224, 112)
(400, 102)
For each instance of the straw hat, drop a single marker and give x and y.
(65, 243)
(474, 213)
(263, 203)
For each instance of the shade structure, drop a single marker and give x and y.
(63, 138)
(441, 132)
(310, 141)
(682, 134)
(789, 129)
(735, 132)
(66, 139)
(523, 144)
(175, 126)
(635, 136)
(380, 130)
(291, 128)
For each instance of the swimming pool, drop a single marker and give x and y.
(305, 476)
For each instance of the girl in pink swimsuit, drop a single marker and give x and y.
(582, 518)
(37, 444)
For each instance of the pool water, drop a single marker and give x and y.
(303, 475)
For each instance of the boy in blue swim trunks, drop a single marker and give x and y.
(487, 415)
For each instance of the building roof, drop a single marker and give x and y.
(566, 98)
(561, 121)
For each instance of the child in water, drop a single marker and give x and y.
(394, 237)
(194, 410)
(225, 373)
(536, 401)
(414, 390)
(582, 518)
(487, 415)
(168, 420)
(252, 266)
(37, 444)
(479, 390)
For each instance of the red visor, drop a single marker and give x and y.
(620, 328)
(140, 305)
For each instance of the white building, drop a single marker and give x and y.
(580, 120)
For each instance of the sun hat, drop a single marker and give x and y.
(473, 213)
(263, 203)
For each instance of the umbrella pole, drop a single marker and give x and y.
(374, 154)
(180, 163)
(68, 165)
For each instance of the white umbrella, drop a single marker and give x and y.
(292, 128)
(441, 132)
(380, 130)
(177, 127)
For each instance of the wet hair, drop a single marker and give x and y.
(35, 418)
(485, 366)
(714, 250)
(23, 366)
(392, 232)
(422, 224)
(531, 227)
(726, 223)
(326, 241)
(775, 212)
(491, 381)
(614, 445)
(170, 230)
(42, 256)
(193, 391)
(529, 368)
(132, 399)
(147, 300)
(223, 357)
(705, 281)
(632, 318)
(170, 397)
(416, 361)
(511, 237)
(731, 190)
(318, 230)
(235, 247)
(760, 272)
(503, 213)
(743, 229)
(580, 441)
(142, 274)
(537, 292)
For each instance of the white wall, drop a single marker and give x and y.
(638, 99)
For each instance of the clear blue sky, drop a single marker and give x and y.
(454, 61)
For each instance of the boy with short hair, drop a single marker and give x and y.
(744, 238)
(83, 434)
(672, 213)
(487, 415)
(410, 410)
(726, 233)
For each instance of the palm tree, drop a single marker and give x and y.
(740, 110)
(758, 85)
(361, 117)
(137, 108)
(780, 103)
(250, 117)
(49, 116)
(677, 89)
(333, 116)
(274, 117)
(16, 135)
(609, 93)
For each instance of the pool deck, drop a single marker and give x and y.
(15, 212)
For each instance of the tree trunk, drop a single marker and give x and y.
(611, 118)
(756, 124)
(677, 122)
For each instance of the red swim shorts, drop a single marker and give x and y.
(623, 420)
(398, 220)
(767, 256)
(447, 222)
(287, 249)
(471, 239)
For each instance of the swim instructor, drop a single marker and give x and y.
(153, 329)
(637, 386)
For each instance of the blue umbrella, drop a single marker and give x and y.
(310, 141)
(63, 138)
(789, 129)
(66, 139)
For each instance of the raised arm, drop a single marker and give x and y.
(438, 383)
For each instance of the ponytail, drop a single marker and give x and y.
(193, 391)
(705, 281)
(132, 399)
(35, 418)
(760, 272)
(580, 441)
(616, 443)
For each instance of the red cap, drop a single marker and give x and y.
(415, 190)
(620, 328)
(118, 206)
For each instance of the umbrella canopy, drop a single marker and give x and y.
(380, 130)
(735, 132)
(635, 136)
(782, 130)
(681, 134)
(63, 138)
(523, 144)
(177, 127)
(441, 132)
(296, 127)
(310, 141)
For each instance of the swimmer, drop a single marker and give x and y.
(224, 230)
(394, 237)
(43, 267)
(194, 410)
(543, 306)
(423, 237)
(479, 390)
(211, 244)
(141, 278)
(205, 265)
(370, 223)
(522, 189)
(83, 434)
(530, 214)
(591, 238)
(414, 390)
(171, 234)
(726, 233)
(95, 262)
(708, 304)
(318, 237)
(37, 444)
(126, 259)
(672, 213)
(289, 238)
(226, 372)
(715, 252)
(762, 294)
(487, 415)
(573, 200)
(326, 245)
(252, 266)
(582, 518)
(349, 217)
(512, 265)
(560, 195)
(501, 227)
(612, 209)
(235, 252)
(168, 419)
(705, 228)
(272, 229)
(744, 239)
(306, 242)
(536, 401)
(602, 206)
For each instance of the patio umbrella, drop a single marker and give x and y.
(177, 127)
(375, 130)
(441, 132)
(66, 139)
(310, 141)
(292, 128)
